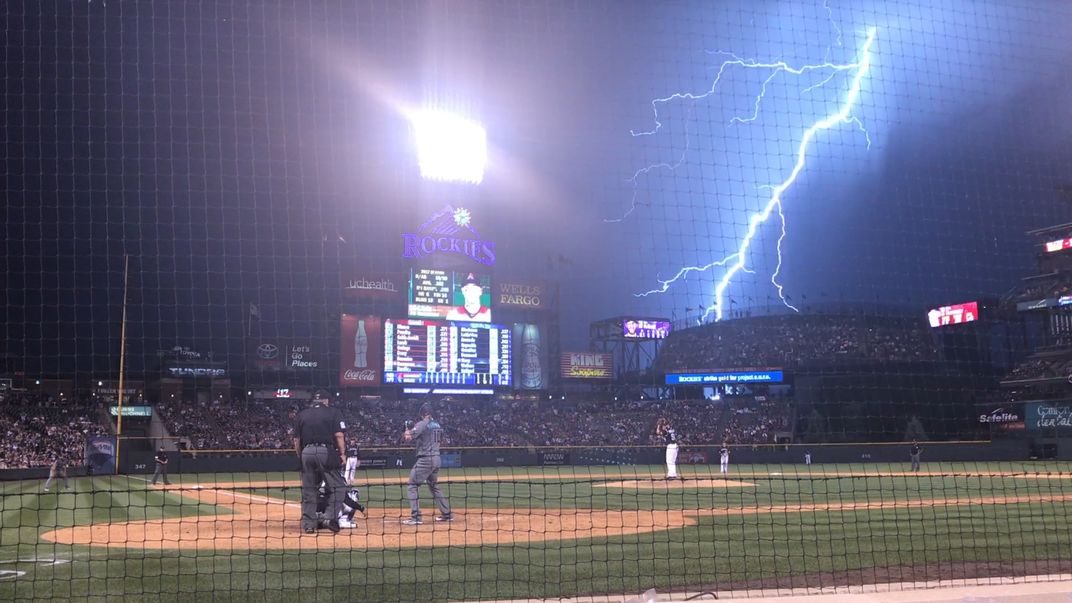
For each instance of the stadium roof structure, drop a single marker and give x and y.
(1050, 230)
(631, 355)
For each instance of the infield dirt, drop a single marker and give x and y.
(265, 523)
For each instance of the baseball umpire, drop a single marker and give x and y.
(427, 434)
(161, 466)
(318, 440)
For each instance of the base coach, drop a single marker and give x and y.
(319, 433)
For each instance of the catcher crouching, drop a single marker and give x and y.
(350, 507)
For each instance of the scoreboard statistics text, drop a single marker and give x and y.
(451, 353)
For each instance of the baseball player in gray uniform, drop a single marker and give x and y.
(427, 435)
(58, 469)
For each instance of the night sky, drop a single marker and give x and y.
(245, 151)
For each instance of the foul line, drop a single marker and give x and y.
(232, 494)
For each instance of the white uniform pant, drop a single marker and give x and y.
(671, 460)
(724, 465)
(351, 470)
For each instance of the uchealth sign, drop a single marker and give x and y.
(587, 365)
(370, 287)
(521, 295)
(360, 351)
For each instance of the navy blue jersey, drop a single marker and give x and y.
(670, 436)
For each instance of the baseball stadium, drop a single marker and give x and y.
(552, 300)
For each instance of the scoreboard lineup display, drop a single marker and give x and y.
(452, 353)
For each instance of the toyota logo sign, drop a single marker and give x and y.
(267, 351)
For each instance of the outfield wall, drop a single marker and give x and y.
(37, 473)
(141, 463)
(239, 462)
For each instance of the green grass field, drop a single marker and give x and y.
(825, 521)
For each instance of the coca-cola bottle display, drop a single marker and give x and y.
(531, 371)
(360, 346)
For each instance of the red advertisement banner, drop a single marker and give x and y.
(360, 351)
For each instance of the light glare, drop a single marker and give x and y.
(450, 148)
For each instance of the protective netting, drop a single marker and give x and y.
(590, 234)
(538, 533)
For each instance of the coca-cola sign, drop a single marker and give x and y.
(360, 351)
(364, 376)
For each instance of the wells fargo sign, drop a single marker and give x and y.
(587, 365)
(522, 295)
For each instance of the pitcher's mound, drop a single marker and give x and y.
(678, 484)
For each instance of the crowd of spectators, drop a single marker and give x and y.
(191, 420)
(793, 339)
(260, 425)
(758, 422)
(1052, 366)
(1048, 287)
(38, 431)
(267, 425)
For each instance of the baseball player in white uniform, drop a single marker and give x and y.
(724, 459)
(350, 475)
(664, 430)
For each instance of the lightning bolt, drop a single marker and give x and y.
(735, 262)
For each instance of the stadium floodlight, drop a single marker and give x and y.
(450, 148)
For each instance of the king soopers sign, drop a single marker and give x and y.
(448, 230)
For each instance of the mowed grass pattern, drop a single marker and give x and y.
(802, 537)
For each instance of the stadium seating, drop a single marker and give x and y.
(37, 431)
(795, 339)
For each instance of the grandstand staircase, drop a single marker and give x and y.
(105, 419)
(720, 429)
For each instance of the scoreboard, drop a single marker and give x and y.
(953, 315)
(450, 353)
(439, 294)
